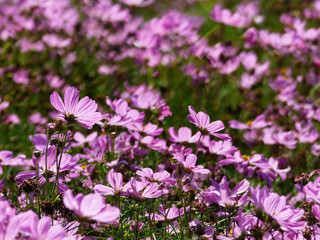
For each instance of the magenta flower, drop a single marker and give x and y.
(7, 159)
(259, 122)
(148, 129)
(169, 214)
(202, 121)
(184, 135)
(275, 206)
(84, 111)
(36, 118)
(162, 176)
(81, 139)
(312, 191)
(203, 231)
(189, 164)
(41, 228)
(221, 194)
(91, 206)
(143, 189)
(26, 225)
(219, 147)
(115, 180)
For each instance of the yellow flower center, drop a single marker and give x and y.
(245, 157)
(249, 123)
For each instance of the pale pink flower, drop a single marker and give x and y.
(84, 111)
(91, 206)
(202, 120)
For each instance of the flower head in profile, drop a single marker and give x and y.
(202, 121)
(84, 111)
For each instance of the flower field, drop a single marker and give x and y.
(159, 120)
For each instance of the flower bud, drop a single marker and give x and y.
(51, 128)
(37, 153)
(54, 140)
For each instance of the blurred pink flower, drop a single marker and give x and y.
(21, 76)
(91, 206)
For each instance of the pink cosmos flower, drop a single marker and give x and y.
(41, 228)
(81, 139)
(162, 176)
(3, 105)
(221, 194)
(219, 147)
(189, 164)
(240, 19)
(11, 118)
(67, 162)
(139, 3)
(115, 180)
(91, 206)
(184, 135)
(26, 225)
(276, 207)
(7, 159)
(39, 141)
(202, 120)
(142, 189)
(148, 129)
(312, 191)
(36, 118)
(21, 76)
(288, 139)
(83, 111)
(259, 122)
(169, 214)
(201, 230)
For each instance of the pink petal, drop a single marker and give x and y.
(71, 98)
(56, 102)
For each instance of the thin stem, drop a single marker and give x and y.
(137, 223)
(61, 153)
(37, 171)
(46, 162)
(38, 197)
(198, 143)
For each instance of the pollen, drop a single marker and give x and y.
(245, 157)
(83, 166)
(249, 123)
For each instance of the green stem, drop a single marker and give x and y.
(137, 223)
(198, 144)
(46, 162)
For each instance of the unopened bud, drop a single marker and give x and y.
(37, 153)
(47, 207)
(54, 140)
(51, 128)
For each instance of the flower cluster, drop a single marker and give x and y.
(143, 119)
